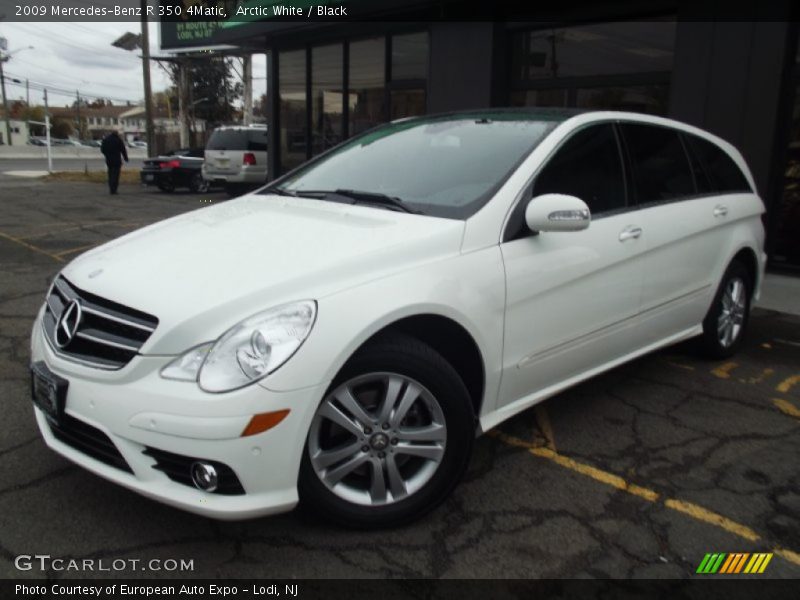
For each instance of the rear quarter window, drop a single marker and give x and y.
(720, 170)
(257, 140)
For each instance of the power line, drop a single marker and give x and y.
(58, 91)
(59, 76)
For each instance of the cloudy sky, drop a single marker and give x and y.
(70, 56)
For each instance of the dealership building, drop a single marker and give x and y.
(328, 81)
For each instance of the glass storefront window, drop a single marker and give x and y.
(615, 66)
(592, 50)
(786, 247)
(327, 97)
(554, 97)
(292, 92)
(365, 95)
(408, 103)
(410, 56)
(650, 99)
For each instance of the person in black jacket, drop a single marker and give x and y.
(113, 148)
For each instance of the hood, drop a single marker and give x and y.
(202, 272)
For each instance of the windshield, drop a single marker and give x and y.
(447, 166)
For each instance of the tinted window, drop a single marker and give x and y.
(227, 139)
(588, 166)
(660, 166)
(721, 172)
(257, 140)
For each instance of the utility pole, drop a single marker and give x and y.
(148, 96)
(47, 133)
(5, 102)
(78, 110)
(183, 101)
(247, 75)
(27, 93)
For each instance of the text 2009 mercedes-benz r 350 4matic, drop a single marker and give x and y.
(340, 336)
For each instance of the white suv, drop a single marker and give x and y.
(342, 335)
(236, 157)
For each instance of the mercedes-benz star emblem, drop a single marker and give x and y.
(68, 323)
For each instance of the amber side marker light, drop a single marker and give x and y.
(263, 421)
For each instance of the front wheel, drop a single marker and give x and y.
(726, 320)
(391, 438)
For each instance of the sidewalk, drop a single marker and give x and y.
(781, 293)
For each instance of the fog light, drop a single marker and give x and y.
(204, 476)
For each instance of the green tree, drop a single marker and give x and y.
(213, 88)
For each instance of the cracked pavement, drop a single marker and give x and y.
(636, 473)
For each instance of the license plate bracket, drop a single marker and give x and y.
(48, 392)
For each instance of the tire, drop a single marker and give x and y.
(726, 321)
(399, 476)
(166, 186)
(198, 185)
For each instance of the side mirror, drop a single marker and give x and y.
(557, 212)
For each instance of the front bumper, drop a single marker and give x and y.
(137, 410)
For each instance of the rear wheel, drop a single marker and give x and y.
(726, 320)
(197, 184)
(391, 438)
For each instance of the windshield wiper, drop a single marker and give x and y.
(390, 202)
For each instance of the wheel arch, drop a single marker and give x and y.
(450, 339)
(747, 256)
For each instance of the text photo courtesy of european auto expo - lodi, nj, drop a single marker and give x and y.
(410, 298)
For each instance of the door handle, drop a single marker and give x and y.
(720, 210)
(630, 233)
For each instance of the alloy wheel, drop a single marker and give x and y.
(377, 439)
(731, 317)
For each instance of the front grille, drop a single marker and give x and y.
(89, 440)
(107, 335)
(178, 468)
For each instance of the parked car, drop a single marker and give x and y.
(236, 157)
(37, 141)
(180, 168)
(92, 143)
(342, 335)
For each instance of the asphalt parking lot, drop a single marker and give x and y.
(637, 473)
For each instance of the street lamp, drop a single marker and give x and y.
(5, 57)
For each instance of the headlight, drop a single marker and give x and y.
(248, 351)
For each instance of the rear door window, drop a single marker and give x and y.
(588, 166)
(661, 169)
(719, 168)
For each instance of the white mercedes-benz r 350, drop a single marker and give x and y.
(340, 336)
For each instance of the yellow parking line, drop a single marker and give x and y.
(544, 425)
(30, 247)
(787, 384)
(786, 407)
(724, 371)
(690, 509)
(78, 249)
(703, 514)
(759, 378)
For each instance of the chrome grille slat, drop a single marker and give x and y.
(105, 315)
(107, 335)
(100, 340)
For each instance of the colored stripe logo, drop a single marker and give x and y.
(733, 563)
